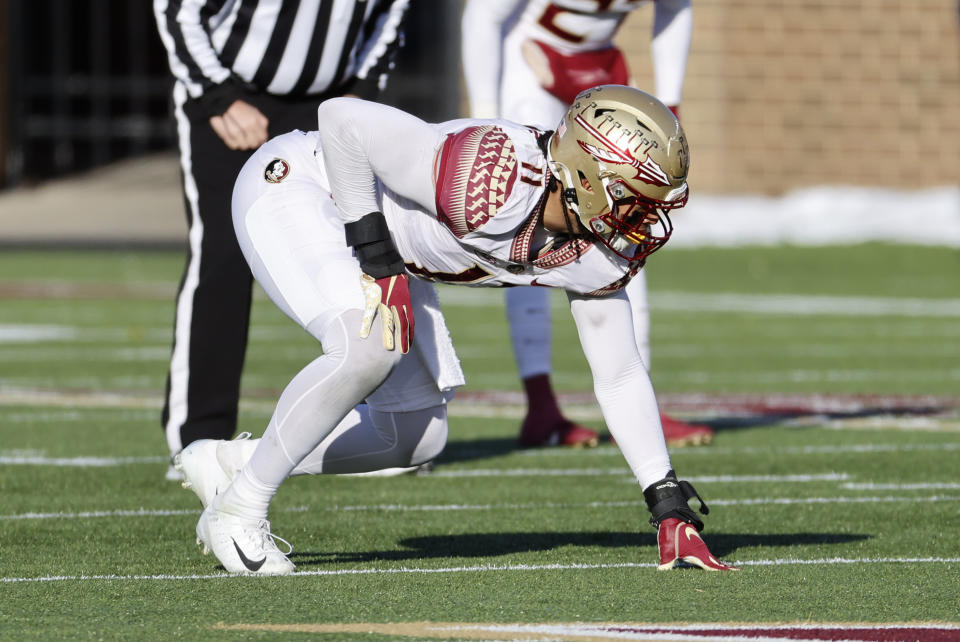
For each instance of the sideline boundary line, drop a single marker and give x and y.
(809, 631)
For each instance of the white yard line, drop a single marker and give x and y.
(623, 504)
(850, 449)
(817, 375)
(91, 514)
(26, 396)
(920, 486)
(620, 470)
(765, 304)
(38, 458)
(485, 568)
(717, 451)
(61, 354)
(415, 508)
(77, 462)
(14, 458)
(479, 403)
(793, 304)
(763, 501)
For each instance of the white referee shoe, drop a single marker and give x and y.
(242, 545)
(208, 466)
(172, 473)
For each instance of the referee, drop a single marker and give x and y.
(245, 71)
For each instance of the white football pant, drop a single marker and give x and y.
(292, 236)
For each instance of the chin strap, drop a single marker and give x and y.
(568, 195)
(668, 498)
(566, 218)
(565, 197)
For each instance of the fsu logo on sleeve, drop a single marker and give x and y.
(478, 168)
(276, 170)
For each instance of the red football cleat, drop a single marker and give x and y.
(679, 433)
(545, 424)
(534, 433)
(681, 545)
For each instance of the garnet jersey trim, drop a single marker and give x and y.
(477, 171)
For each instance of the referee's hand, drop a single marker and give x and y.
(242, 126)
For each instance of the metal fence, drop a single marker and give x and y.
(86, 82)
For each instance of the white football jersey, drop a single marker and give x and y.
(503, 80)
(572, 26)
(462, 200)
(491, 179)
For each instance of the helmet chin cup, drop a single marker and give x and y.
(630, 242)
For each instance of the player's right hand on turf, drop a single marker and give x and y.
(390, 298)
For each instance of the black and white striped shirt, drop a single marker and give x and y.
(281, 47)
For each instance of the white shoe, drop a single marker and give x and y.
(242, 545)
(208, 466)
(173, 474)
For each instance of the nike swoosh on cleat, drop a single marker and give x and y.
(252, 566)
(691, 532)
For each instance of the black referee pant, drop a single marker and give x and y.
(213, 300)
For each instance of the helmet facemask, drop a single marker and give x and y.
(622, 159)
(634, 227)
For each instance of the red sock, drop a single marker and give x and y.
(543, 411)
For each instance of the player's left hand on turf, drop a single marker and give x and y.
(390, 297)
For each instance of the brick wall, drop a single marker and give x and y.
(781, 94)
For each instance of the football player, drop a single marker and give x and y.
(525, 60)
(346, 238)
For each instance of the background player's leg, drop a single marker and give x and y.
(677, 433)
(528, 311)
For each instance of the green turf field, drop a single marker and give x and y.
(830, 374)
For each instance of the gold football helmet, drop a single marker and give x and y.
(622, 159)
